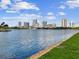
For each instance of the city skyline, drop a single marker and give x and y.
(52, 11)
(44, 24)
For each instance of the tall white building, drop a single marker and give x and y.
(64, 23)
(19, 24)
(26, 24)
(44, 24)
(72, 24)
(35, 24)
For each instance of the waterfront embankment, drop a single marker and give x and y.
(67, 50)
(48, 52)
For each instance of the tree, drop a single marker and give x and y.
(6, 25)
(3, 23)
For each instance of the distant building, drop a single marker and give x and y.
(44, 24)
(54, 25)
(19, 24)
(51, 25)
(35, 24)
(64, 23)
(72, 24)
(26, 25)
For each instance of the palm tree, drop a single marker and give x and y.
(3, 25)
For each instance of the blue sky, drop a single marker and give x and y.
(52, 11)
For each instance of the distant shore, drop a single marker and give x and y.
(5, 30)
(59, 28)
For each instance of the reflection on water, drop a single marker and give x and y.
(19, 44)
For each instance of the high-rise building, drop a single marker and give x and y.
(44, 24)
(19, 24)
(64, 23)
(26, 24)
(35, 24)
(72, 24)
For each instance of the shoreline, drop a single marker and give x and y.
(40, 53)
(46, 50)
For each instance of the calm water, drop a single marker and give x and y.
(19, 44)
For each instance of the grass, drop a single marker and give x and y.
(67, 50)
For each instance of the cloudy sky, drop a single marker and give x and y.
(52, 11)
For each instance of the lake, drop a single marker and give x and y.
(20, 44)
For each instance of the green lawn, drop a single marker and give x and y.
(67, 50)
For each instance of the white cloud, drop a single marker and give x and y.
(17, 0)
(25, 5)
(50, 15)
(61, 13)
(62, 6)
(11, 11)
(5, 2)
(72, 3)
(31, 16)
(3, 6)
(18, 5)
(28, 17)
(24, 17)
(37, 16)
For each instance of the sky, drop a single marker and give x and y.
(52, 11)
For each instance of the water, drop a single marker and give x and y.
(20, 44)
